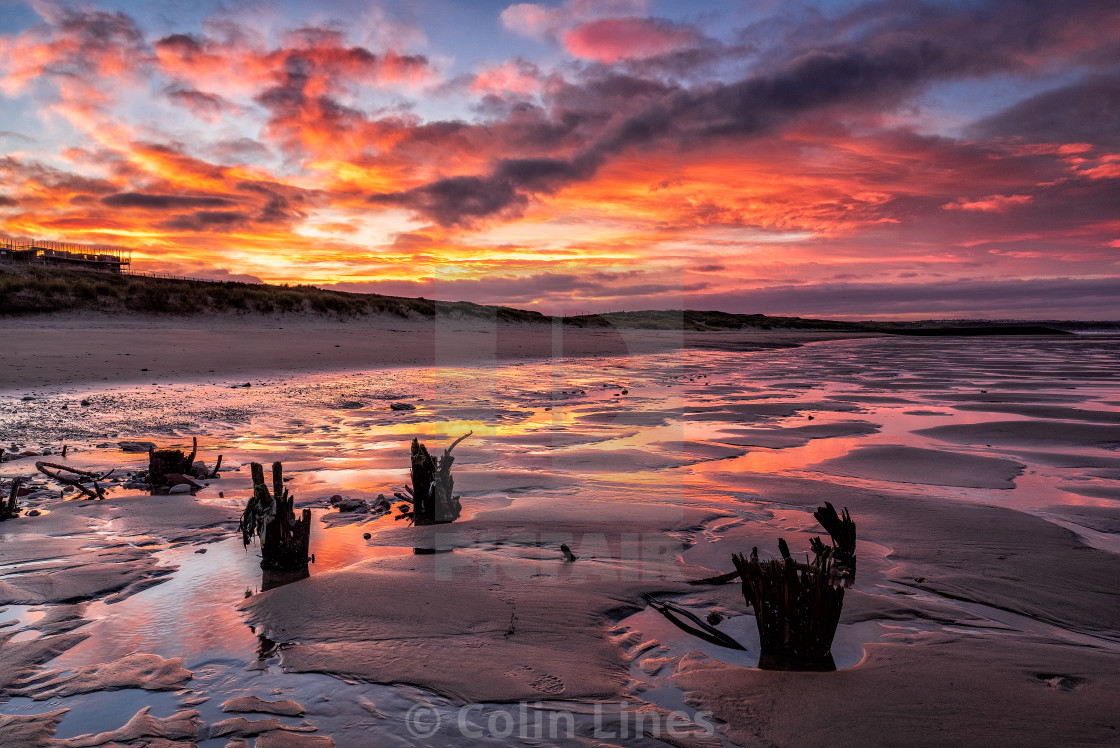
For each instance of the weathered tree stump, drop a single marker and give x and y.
(432, 491)
(164, 462)
(9, 509)
(170, 467)
(797, 606)
(285, 541)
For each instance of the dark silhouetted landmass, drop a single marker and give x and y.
(40, 289)
(689, 319)
(972, 331)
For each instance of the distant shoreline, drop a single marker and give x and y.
(76, 350)
(30, 291)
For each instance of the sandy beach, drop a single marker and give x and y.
(982, 476)
(71, 348)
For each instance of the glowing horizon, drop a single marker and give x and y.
(825, 158)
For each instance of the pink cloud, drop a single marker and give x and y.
(529, 19)
(540, 22)
(515, 76)
(611, 39)
(990, 204)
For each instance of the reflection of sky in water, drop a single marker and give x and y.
(688, 418)
(562, 431)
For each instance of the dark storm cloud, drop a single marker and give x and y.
(162, 202)
(868, 60)
(204, 105)
(207, 220)
(1087, 111)
(458, 201)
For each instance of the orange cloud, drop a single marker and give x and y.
(990, 204)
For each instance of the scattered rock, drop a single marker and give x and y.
(402, 406)
(366, 536)
(33, 513)
(130, 446)
(179, 488)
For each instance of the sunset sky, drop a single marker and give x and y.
(828, 158)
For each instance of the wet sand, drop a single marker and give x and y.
(981, 476)
(51, 350)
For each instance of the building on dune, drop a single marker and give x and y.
(23, 251)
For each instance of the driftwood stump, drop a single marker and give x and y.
(285, 541)
(432, 491)
(9, 508)
(797, 605)
(170, 467)
(75, 478)
(796, 608)
(165, 462)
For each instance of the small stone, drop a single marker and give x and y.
(402, 406)
(135, 446)
(33, 513)
(366, 536)
(179, 488)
